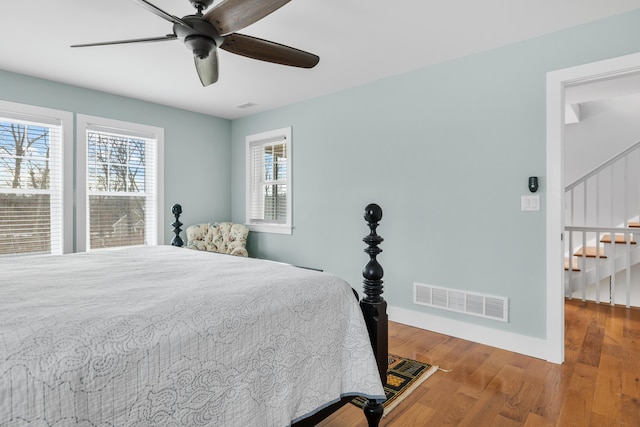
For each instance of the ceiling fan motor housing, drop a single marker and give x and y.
(201, 39)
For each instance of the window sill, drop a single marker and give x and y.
(270, 228)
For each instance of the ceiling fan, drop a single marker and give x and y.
(204, 33)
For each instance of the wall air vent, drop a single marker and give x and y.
(474, 304)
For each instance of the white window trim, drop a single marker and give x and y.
(66, 119)
(82, 123)
(265, 137)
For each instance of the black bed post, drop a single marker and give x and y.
(176, 210)
(374, 307)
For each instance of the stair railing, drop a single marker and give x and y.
(604, 200)
(614, 261)
(628, 188)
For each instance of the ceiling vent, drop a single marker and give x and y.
(247, 105)
(474, 304)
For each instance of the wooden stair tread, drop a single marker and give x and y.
(574, 267)
(620, 238)
(634, 224)
(590, 252)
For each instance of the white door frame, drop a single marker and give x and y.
(557, 81)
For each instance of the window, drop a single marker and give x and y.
(268, 165)
(121, 183)
(32, 179)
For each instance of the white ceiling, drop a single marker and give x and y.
(358, 41)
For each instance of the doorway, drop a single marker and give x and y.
(557, 82)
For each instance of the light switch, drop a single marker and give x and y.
(530, 203)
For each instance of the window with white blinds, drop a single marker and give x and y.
(268, 166)
(122, 197)
(31, 179)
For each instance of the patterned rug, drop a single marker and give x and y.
(403, 377)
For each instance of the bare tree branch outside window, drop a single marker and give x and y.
(25, 223)
(116, 190)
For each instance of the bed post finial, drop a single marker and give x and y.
(176, 210)
(374, 307)
(373, 271)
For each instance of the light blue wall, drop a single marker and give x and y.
(197, 146)
(446, 151)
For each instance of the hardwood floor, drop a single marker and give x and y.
(598, 385)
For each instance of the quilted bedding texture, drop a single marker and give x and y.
(164, 336)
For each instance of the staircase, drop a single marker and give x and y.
(602, 213)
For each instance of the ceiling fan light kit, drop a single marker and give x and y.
(202, 34)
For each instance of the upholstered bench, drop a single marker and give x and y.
(220, 237)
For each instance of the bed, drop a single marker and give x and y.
(166, 336)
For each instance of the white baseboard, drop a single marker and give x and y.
(530, 346)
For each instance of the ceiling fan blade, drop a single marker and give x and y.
(145, 40)
(264, 50)
(207, 68)
(161, 13)
(229, 16)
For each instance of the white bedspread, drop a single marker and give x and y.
(163, 336)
